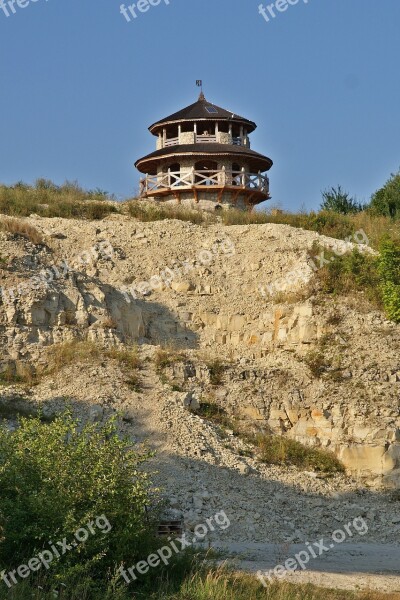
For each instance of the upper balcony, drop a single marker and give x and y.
(200, 135)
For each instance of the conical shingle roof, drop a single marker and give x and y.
(202, 110)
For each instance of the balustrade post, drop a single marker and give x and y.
(259, 180)
(223, 178)
(169, 177)
(243, 177)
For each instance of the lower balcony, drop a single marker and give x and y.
(175, 181)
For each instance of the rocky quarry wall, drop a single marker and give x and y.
(323, 372)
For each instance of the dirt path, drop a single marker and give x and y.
(346, 566)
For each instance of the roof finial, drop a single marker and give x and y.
(199, 83)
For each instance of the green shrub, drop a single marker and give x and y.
(56, 478)
(216, 369)
(216, 414)
(389, 271)
(339, 201)
(349, 273)
(386, 201)
(317, 363)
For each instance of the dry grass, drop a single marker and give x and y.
(279, 450)
(23, 229)
(18, 373)
(167, 356)
(146, 212)
(375, 227)
(49, 200)
(67, 353)
(219, 584)
(216, 584)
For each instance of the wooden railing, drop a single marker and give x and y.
(201, 139)
(171, 142)
(206, 139)
(194, 178)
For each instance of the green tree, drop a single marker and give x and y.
(386, 201)
(339, 201)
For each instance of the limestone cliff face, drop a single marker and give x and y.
(323, 373)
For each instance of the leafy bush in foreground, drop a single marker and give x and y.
(56, 478)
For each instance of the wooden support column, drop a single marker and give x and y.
(243, 177)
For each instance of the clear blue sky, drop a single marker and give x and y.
(80, 85)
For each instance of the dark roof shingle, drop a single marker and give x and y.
(259, 161)
(198, 110)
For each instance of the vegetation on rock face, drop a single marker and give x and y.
(274, 449)
(389, 274)
(19, 227)
(280, 450)
(166, 357)
(377, 277)
(216, 369)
